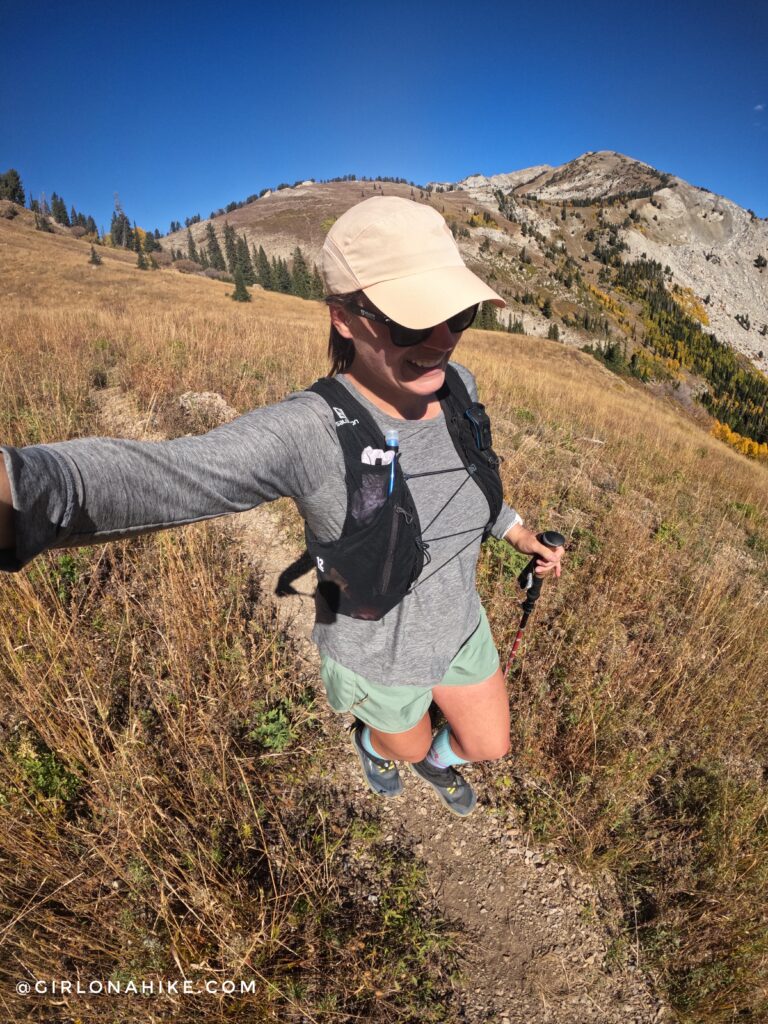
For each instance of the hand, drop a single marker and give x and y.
(548, 560)
(526, 542)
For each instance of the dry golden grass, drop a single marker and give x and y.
(639, 701)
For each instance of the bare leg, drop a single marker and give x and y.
(411, 745)
(478, 715)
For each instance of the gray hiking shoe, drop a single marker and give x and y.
(455, 792)
(382, 776)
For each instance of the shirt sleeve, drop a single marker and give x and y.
(97, 489)
(507, 517)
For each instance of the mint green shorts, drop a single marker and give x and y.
(399, 708)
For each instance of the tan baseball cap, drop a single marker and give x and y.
(403, 256)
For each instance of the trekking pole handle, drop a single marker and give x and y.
(528, 579)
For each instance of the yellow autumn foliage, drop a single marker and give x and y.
(746, 445)
(691, 304)
(605, 300)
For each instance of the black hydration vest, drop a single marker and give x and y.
(380, 553)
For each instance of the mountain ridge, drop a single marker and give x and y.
(709, 242)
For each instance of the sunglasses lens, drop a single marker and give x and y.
(404, 337)
(461, 321)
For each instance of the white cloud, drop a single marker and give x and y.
(759, 108)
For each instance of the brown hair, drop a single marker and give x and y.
(341, 351)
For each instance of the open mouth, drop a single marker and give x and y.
(426, 365)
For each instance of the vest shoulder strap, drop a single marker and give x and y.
(348, 412)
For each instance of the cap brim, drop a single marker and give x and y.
(427, 299)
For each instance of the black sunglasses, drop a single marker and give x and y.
(404, 337)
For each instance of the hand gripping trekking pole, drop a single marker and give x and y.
(531, 583)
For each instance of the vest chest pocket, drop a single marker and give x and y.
(371, 494)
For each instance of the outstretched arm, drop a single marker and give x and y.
(91, 490)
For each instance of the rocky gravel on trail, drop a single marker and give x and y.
(544, 943)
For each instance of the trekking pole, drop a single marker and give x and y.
(531, 583)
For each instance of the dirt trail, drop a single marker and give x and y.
(545, 940)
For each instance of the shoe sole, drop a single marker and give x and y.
(443, 801)
(369, 784)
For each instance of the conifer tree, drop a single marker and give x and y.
(203, 257)
(11, 187)
(95, 258)
(59, 210)
(141, 261)
(136, 240)
(230, 247)
(317, 291)
(300, 283)
(487, 319)
(264, 271)
(215, 255)
(191, 247)
(243, 260)
(240, 294)
(281, 276)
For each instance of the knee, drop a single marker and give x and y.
(415, 753)
(487, 749)
(400, 747)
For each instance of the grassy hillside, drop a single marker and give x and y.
(161, 796)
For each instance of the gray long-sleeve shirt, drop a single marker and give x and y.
(91, 490)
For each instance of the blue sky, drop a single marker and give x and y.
(183, 107)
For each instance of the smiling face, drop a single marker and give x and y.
(400, 381)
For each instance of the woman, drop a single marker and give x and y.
(396, 495)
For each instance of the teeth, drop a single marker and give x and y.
(424, 364)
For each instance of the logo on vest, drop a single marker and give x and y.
(320, 565)
(343, 418)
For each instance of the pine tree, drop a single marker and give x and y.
(203, 256)
(487, 319)
(240, 294)
(264, 271)
(11, 187)
(191, 247)
(59, 210)
(317, 291)
(136, 240)
(141, 261)
(215, 255)
(281, 276)
(95, 258)
(300, 283)
(243, 260)
(230, 247)
(553, 333)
